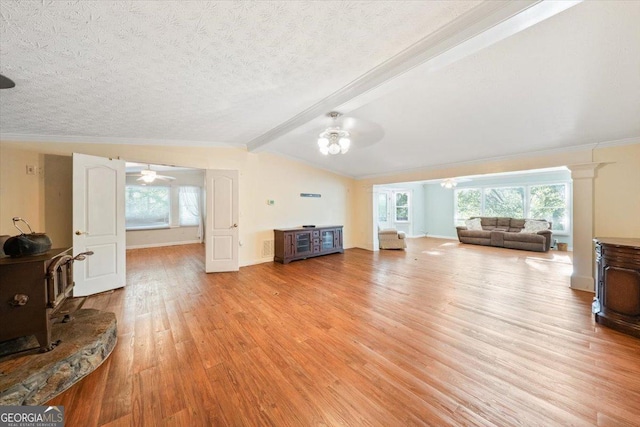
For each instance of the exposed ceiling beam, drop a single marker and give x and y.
(465, 30)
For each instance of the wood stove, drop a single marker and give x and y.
(32, 290)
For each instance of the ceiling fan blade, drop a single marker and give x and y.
(6, 82)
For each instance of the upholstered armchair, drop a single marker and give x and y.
(391, 238)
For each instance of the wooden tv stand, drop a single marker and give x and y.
(300, 243)
(618, 284)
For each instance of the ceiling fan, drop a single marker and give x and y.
(6, 82)
(147, 176)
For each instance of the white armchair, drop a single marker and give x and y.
(391, 238)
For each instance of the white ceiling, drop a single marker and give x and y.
(264, 74)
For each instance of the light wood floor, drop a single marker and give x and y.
(442, 334)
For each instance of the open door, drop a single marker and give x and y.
(221, 226)
(98, 223)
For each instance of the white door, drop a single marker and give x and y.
(221, 226)
(98, 223)
(383, 209)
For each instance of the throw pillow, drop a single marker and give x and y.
(473, 224)
(532, 226)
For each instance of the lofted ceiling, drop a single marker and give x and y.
(263, 75)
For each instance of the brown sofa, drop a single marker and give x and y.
(505, 233)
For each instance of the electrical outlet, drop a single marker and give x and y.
(31, 170)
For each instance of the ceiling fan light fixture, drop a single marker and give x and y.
(148, 176)
(448, 183)
(334, 140)
(334, 149)
(345, 143)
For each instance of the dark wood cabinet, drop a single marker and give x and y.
(618, 284)
(299, 243)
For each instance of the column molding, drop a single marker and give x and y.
(583, 174)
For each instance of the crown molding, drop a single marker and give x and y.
(471, 24)
(17, 137)
(519, 156)
(618, 142)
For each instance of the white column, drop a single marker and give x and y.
(582, 277)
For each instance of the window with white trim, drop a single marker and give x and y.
(541, 201)
(189, 206)
(402, 204)
(147, 206)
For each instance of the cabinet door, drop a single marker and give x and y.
(337, 238)
(622, 290)
(289, 245)
(303, 243)
(327, 239)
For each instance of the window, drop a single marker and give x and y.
(147, 207)
(401, 206)
(189, 206)
(382, 208)
(545, 201)
(504, 202)
(550, 202)
(468, 203)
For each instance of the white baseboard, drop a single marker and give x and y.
(436, 236)
(159, 245)
(256, 261)
(582, 283)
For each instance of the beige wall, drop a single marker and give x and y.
(263, 176)
(58, 183)
(344, 201)
(21, 194)
(617, 191)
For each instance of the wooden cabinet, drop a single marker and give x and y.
(300, 243)
(618, 284)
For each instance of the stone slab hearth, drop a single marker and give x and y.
(32, 378)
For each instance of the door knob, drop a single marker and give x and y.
(80, 233)
(235, 225)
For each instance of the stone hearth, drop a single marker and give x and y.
(32, 378)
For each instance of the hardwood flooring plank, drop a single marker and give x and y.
(439, 334)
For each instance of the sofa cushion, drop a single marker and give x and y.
(503, 222)
(524, 237)
(488, 220)
(481, 234)
(516, 223)
(489, 227)
(514, 230)
(473, 224)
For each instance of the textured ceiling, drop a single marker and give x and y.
(185, 72)
(571, 80)
(212, 73)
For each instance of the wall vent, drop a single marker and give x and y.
(267, 248)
